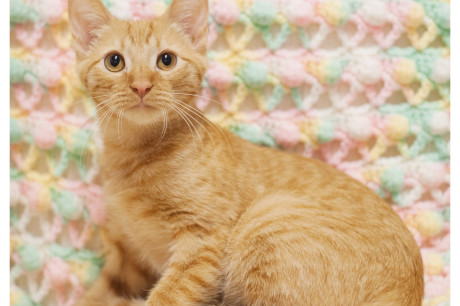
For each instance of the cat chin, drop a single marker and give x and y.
(143, 115)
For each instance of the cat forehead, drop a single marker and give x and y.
(150, 36)
(139, 33)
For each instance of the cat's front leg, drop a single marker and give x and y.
(121, 281)
(194, 275)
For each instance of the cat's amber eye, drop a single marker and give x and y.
(166, 61)
(114, 62)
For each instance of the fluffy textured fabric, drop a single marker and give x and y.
(363, 85)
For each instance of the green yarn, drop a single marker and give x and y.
(253, 134)
(442, 147)
(15, 130)
(63, 160)
(334, 70)
(80, 142)
(64, 204)
(253, 74)
(304, 38)
(263, 13)
(15, 174)
(424, 60)
(446, 214)
(20, 12)
(445, 36)
(446, 257)
(30, 258)
(297, 97)
(24, 300)
(92, 273)
(275, 99)
(108, 3)
(18, 71)
(325, 131)
(272, 43)
(13, 217)
(392, 179)
(438, 11)
(71, 254)
(346, 10)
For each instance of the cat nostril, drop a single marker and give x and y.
(141, 89)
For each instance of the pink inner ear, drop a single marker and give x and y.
(86, 18)
(191, 16)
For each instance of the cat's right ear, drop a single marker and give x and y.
(86, 18)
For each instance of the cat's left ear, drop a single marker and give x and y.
(86, 18)
(192, 18)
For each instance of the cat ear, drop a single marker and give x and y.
(86, 18)
(192, 18)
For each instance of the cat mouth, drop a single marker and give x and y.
(141, 105)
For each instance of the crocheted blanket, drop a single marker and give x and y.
(361, 84)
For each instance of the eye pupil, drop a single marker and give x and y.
(166, 59)
(115, 60)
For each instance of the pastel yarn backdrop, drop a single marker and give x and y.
(360, 84)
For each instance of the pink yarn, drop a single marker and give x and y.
(49, 72)
(57, 271)
(51, 10)
(95, 204)
(225, 12)
(287, 134)
(300, 13)
(359, 128)
(140, 11)
(29, 39)
(78, 237)
(292, 74)
(436, 285)
(45, 135)
(31, 191)
(28, 102)
(15, 192)
(432, 175)
(219, 75)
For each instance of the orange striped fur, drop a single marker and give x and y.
(198, 216)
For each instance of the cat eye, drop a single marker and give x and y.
(166, 61)
(114, 62)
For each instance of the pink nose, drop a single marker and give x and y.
(141, 88)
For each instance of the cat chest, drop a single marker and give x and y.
(146, 238)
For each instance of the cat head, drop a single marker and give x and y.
(142, 68)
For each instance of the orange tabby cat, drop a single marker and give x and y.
(198, 216)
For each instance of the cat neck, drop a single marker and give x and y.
(126, 136)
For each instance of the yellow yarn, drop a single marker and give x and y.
(427, 37)
(61, 36)
(397, 127)
(44, 199)
(14, 297)
(79, 269)
(330, 10)
(159, 7)
(260, 100)
(378, 149)
(31, 158)
(405, 71)
(433, 264)
(241, 93)
(372, 175)
(318, 69)
(438, 300)
(422, 93)
(308, 131)
(415, 16)
(428, 223)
